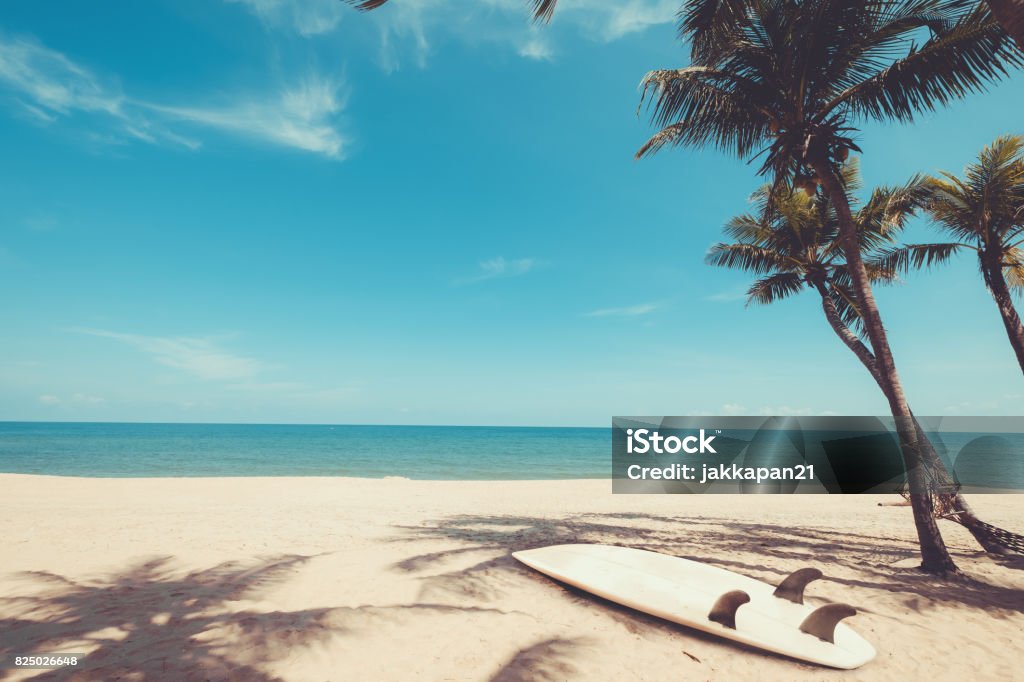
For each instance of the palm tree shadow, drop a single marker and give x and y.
(149, 622)
(549, 660)
(761, 550)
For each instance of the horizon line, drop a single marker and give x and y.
(216, 423)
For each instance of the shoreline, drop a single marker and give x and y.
(295, 578)
(302, 478)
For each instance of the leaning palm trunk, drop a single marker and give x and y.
(992, 268)
(847, 336)
(1010, 15)
(935, 557)
(961, 512)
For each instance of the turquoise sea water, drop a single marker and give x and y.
(417, 452)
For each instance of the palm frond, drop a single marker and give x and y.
(749, 229)
(366, 5)
(747, 257)
(775, 287)
(878, 273)
(1014, 275)
(706, 24)
(915, 256)
(699, 105)
(949, 65)
(846, 305)
(888, 209)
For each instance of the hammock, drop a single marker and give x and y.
(946, 504)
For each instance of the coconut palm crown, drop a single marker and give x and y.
(983, 212)
(789, 79)
(790, 242)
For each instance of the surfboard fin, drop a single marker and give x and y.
(724, 610)
(823, 620)
(792, 588)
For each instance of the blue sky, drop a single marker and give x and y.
(285, 211)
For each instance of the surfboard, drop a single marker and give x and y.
(711, 599)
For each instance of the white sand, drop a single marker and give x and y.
(349, 579)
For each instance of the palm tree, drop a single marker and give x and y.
(790, 79)
(983, 212)
(790, 242)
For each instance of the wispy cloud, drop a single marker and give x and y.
(627, 311)
(51, 87)
(305, 17)
(300, 117)
(199, 357)
(499, 267)
(415, 26)
(52, 82)
(536, 48)
(615, 19)
(735, 294)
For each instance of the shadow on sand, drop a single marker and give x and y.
(151, 622)
(150, 613)
(765, 551)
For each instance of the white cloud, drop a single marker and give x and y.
(38, 113)
(300, 118)
(733, 409)
(616, 19)
(413, 24)
(536, 48)
(736, 294)
(500, 267)
(200, 357)
(306, 17)
(49, 400)
(50, 86)
(628, 311)
(53, 82)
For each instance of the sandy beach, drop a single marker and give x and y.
(340, 578)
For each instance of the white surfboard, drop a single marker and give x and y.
(711, 599)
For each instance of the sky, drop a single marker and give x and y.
(287, 211)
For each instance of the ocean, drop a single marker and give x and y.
(418, 452)
(415, 452)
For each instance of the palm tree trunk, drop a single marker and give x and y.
(935, 556)
(847, 336)
(964, 514)
(1010, 15)
(992, 266)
